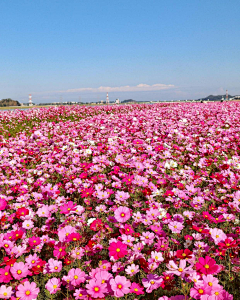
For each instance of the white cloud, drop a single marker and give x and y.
(126, 88)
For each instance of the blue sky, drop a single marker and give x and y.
(144, 50)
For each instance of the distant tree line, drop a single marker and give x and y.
(9, 102)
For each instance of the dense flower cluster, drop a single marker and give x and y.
(130, 201)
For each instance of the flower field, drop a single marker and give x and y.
(129, 202)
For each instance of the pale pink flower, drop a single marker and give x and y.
(122, 214)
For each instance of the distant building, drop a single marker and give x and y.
(117, 101)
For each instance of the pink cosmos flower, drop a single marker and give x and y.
(218, 235)
(210, 280)
(157, 256)
(27, 291)
(207, 265)
(64, 232)
(217, 293)
(175, 227)
(105, 265)
(117, 250)
(59, 251)
(32, 260)
(103, 276)
(122, 214)
(77, 276)
(34, 241)
(54, 265)
(5, 275)
(120, 286)
(200, 290)
(128, 239)
(7, 245)
(77, 253)
(73, 237)
(28, 224)
(81, 294)
(96, 288)
(121, 196)
(19, 270)
(132, 269)
(152, 282)
(136, 289)
(53, 285)
(43, 211)
(147, 237)
(5, 292)
(68, 207)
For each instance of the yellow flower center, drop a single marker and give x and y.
(180, 269)
(28, 293)
(118, 250)
(206, 266)
(136, 290)
(19, 272)
(119, 286)
(55, 286)
(210, 283)
(75, 277)
(200, 291)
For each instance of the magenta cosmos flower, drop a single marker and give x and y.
(120, 286)
(53, 285)
(207, 265)
(27, 291)
(3, 204)
(5, 275)
(5, 292)
(122, 214)
(117, 250)
(96, 288)
(136, 289)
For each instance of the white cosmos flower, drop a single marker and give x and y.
(89, 222)
(88, 151)
(163, 213)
